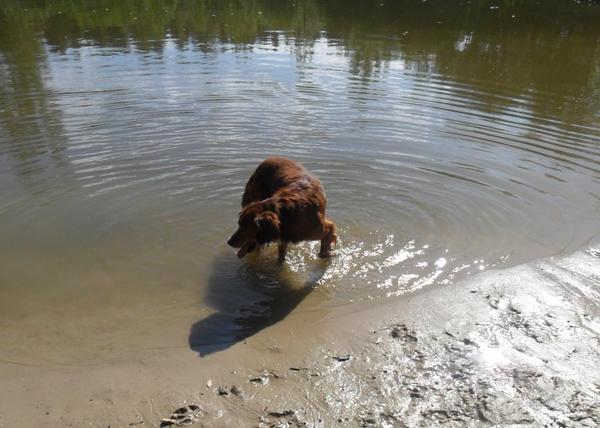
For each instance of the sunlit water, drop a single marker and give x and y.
(450, 139)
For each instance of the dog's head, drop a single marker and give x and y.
(255, 226)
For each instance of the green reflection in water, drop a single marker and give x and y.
(500, 49)
(554, 46)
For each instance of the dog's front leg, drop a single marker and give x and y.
(329, 238)
(282, 249)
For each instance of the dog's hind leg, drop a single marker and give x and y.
(282, 249)
(329, 238)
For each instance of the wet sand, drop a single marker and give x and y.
(513, 346)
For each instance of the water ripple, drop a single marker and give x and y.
(426, 173)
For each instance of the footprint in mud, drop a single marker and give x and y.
(409, 341)
(514, 316)
(402, 332)
(186, 415)
(266, 377)
(495, 301)
(594, 252)
(283, 418)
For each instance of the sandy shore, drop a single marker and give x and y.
(507, 347)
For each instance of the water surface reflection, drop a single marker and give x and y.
(451, 137)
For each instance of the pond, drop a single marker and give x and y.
(451, 138)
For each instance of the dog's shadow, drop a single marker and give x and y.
(249, 296)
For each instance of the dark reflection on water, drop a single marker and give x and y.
(248, 298)
(26, 108)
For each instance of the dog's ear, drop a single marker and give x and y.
(268, 227)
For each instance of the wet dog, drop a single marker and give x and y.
(283, 203)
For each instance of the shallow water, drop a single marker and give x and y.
(450, 138)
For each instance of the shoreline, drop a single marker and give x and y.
(512, 346)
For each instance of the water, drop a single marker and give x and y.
(451, 138)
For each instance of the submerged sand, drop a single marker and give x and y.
(519, 346)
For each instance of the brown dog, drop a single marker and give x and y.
(283, 203)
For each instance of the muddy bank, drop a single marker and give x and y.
(515, 346)
(519, 346)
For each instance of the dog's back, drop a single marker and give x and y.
(275, 174)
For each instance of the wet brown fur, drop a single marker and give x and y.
(283, 203)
